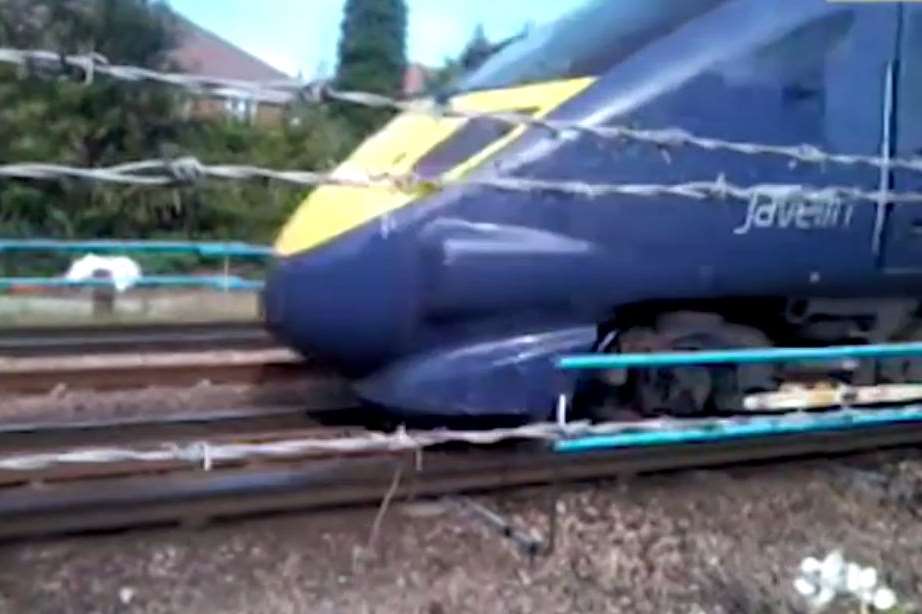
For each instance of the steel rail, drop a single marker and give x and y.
(170, 498)
(24, 375)
(332, 404)
(62, 340)
(327, 395)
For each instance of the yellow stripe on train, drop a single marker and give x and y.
(330, 211)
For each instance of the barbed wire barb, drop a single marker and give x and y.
(207, 455)
(184, 170)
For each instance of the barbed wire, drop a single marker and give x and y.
(207, 455)
(91, 64)
(189, 170)
(288, 91)
(180, 171)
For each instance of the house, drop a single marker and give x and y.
(415, 80)
(201, 52)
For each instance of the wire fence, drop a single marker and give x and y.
(564, 437)
(187, 170)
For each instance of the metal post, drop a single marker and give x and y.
(103, 296)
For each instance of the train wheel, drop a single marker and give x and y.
(902, 370)
(693, 390)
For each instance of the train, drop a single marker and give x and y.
(458, 300)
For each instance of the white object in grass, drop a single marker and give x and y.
(821, 581)
(121, 270)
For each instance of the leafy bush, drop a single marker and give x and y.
(107, 122)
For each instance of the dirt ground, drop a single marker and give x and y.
(693, 542)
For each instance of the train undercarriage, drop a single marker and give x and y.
(733, 388)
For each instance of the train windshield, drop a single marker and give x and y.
(585, 43)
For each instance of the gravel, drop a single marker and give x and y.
(720, 541)
(162, 402)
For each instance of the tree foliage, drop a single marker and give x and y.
(372, 48)
(475, 54)
(87, 125)
(108, 122)
(477, 51)
(372, 53)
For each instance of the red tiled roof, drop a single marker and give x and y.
(205, 53)
(414, 79)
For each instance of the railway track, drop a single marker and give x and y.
(35, 361)
(36, 375)
(86, 496)
(125, 495)
(131, 339)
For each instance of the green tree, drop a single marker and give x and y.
(475, 54)
(372, 53)
(477, 51)
(88, 125)
(110, 122)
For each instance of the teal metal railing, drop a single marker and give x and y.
(207, 249)
(748, 428)
(717, 429)
(746, 356)
(232, 249)
(216, 282)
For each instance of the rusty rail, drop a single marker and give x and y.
(94, 502)
(24, 375)
(111, 339)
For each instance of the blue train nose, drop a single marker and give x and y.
(346, 302)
